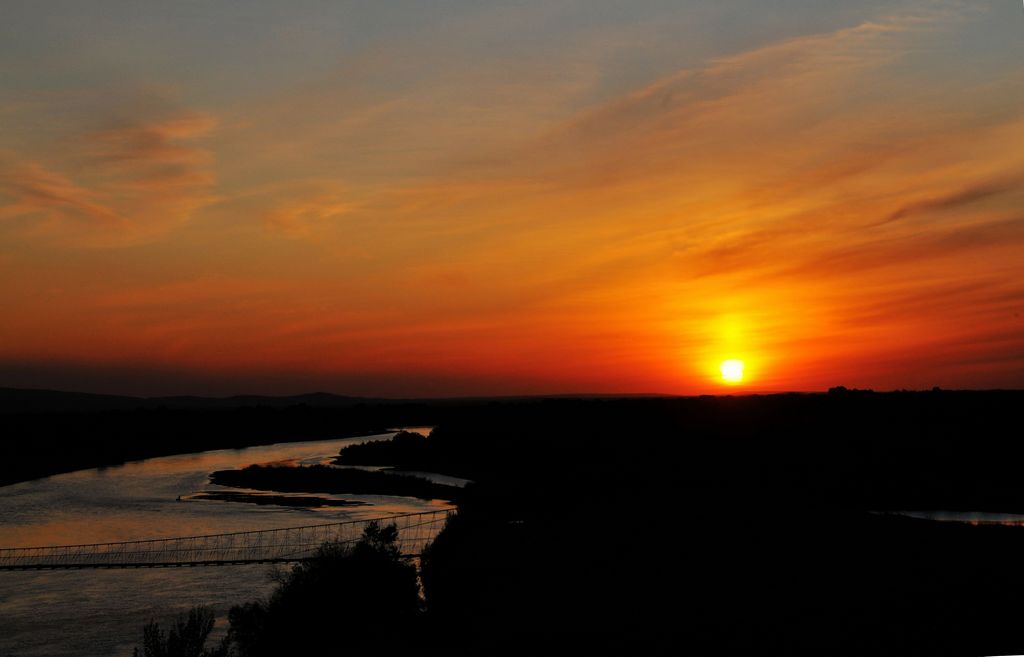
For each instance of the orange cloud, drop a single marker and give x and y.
(34, 191)
(130, 181)
(301, 217)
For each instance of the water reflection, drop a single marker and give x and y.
(423, 431)
(966, 517)
(101, 613)
(141, 499)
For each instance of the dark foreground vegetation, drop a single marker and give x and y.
(727, 526)
(713, 526)
(361, 599)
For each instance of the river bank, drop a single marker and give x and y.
(49, 432)
(326, 479)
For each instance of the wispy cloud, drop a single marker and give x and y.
(34, 191)
(129, 181)
(957, 199)
(305, 216)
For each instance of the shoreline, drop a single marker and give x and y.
(21, 468)
(344, 481)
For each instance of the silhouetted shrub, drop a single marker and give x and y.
(186, 638)
(365, 597)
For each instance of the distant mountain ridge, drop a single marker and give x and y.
(25, 400)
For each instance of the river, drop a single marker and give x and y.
(101, 613)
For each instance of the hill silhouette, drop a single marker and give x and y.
(21, 400)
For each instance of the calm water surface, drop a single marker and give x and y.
(966, 517)
(101, 613)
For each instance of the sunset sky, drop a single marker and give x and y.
(410, 198)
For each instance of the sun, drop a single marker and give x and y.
(732, 370)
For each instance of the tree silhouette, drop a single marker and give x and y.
(364, 595)
(186, 638)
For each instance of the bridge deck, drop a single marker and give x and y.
(415, 531)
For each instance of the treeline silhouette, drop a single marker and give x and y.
(405, 450)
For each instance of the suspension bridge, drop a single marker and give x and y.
(415, 531)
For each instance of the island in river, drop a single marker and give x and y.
(330, 479)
